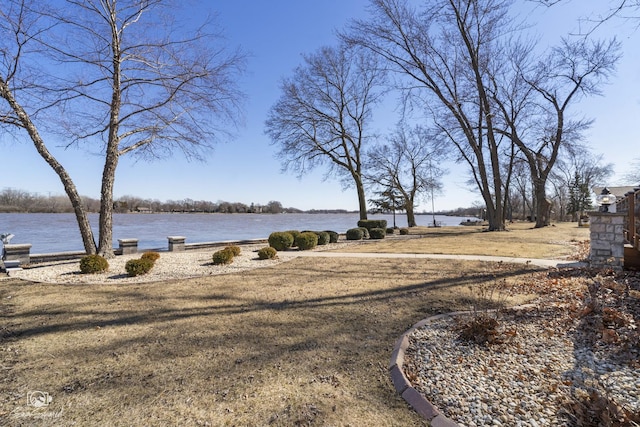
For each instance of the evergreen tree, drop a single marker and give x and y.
(579, 196)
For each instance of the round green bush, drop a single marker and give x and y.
(151, 255)
(267, 253)
(307, 240)
(323, 237)
(235, 249)
(281, 240)
(223, 256)
(138, 267)
(377, 233)
(295, 234)
(391, 230)
(333, 236)
(92, 264)
(354, 234)
(372, 223)
(404, 231)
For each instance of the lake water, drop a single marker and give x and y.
(49, 233)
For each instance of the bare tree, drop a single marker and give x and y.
(323, 115)
(408, 163)
(580, 162)
(445, 52)
(117, 76)
(628, 10)
(633, 174)
(536, 105)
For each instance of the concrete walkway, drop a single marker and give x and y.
(511, 260)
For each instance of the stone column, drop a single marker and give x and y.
(128, 246)
(17, 252)
(176, 243)
(607, 240)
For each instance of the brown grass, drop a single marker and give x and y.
(522, 240)
(302, 343)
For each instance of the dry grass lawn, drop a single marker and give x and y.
(522, 240)
(303, 343)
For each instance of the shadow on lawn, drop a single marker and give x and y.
(61, 318)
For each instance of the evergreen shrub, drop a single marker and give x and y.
(323, 237)
(354, 234)
(404, 231)
(372, 223)
(281, 240)
(377, 233)
(307, 240)
(235, 249)
(391, 230)
(92, 264)
(333, 236)
(295, 234)
(151, 255)
(223, 256)
(267, 253)
(138, 267)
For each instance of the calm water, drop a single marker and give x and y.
(59, 232)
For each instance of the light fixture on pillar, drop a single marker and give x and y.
(605, 199)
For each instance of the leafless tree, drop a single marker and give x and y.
(536, 103)
(446, 50)
(409, 164)
(633, 173)
(117, 76)
(590, 169)
(323, 115)
(628, 10)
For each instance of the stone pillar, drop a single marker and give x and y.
(128, 246)
(607, 240)
(17, 252)
(176, 243)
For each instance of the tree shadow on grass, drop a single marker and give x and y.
(242, 341)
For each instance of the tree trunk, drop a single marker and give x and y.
(112, 155)
(411, 217)
(362, 201)
(105, 244)
(69, 187)
(543, 205)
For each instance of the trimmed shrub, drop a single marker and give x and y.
(365, 232)
(333, 236)
(235, 249)
(281, 240)
(295, 234)
(404, 231)
(307, 240)
(223, 256)
(377, 233)
(138, 267)
(151, 255)
(391, 230)
(323, 237)
(267, 253)
(355, 234)
(92, 264)
(372, 223)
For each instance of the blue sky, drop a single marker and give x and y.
(275, 33)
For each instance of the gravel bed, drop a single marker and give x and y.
(529, 378)
(170, 266)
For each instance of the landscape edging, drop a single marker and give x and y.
(403, 386)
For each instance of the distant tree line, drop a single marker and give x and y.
(20, 201)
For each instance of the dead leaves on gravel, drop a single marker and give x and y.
(602, 312)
